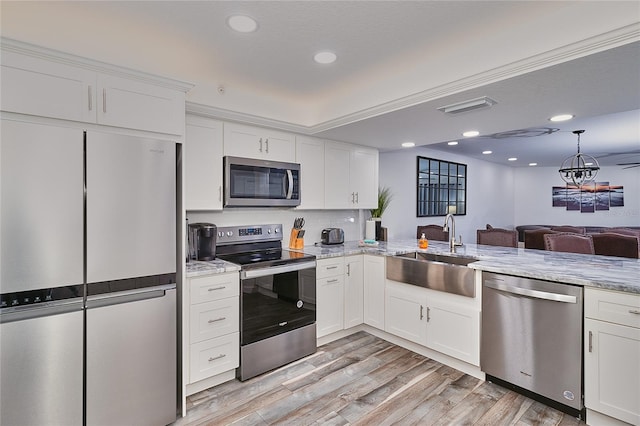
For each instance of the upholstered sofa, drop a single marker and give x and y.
(589, 229)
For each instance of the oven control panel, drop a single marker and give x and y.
(246, 234)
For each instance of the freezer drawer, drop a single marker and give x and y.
(131, 359)
(41, 365)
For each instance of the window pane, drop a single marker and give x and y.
(441, 187)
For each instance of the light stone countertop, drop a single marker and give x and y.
(196, 268)
(613, 273)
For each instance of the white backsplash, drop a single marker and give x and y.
(351, 221)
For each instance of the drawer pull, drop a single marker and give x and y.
(590, 341)
(216, 288)
(634, 311)
(217, 319)
(213, 358)
(335, 280)
(332, 267)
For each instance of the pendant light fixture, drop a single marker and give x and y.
(580, 168)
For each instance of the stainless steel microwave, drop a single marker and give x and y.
(260, 183)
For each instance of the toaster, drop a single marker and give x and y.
(332, 236)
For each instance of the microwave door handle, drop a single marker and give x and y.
(290, 184)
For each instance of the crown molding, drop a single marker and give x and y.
(23, 48)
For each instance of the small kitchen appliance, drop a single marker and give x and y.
(332, 236)
(202, 241)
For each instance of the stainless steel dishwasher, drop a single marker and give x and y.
(532, 339)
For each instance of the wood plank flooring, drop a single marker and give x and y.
(364, 380)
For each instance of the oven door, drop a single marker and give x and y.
(260, 183)
(277, 299)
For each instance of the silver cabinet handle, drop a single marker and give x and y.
(421, 312)
(266, 144)
(260, 144)
(331, 267)
(357, 197)
(216, 288)
(590, 341)
(213, 358)
(104, 100)
(348, 269)
(220, 193)
(90, 98)
(428, 314)
(217, 320)
(335, 280)
(634, 311)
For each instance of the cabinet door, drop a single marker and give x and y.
(48, 89)
(453, 329)
(330, 307)
(612, 370)
(373, 282)
(405, 312)
(363, 169)
(338, 194)
(279, 146)
(310, 155)
(136, 105)
(353, 292)
(202, 164)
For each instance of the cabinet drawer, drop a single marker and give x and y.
(214, 319)
(329, 267)
(214, 287)
(214, 356)
(612, 306)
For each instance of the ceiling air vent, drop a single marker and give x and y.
(469, 105)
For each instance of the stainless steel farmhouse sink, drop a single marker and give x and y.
(440, 272)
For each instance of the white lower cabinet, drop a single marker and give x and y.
(353, 291)
(330, 296)
(447, 323)
(612, 354)
(211, 330)
(374, 283)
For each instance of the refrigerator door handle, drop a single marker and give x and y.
(136, 295)
(39, 310)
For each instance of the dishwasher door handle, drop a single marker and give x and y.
(536, 294)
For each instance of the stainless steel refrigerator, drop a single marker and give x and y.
(87, 277)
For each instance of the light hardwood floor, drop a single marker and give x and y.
(364, 380)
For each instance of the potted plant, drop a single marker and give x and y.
(384, 199)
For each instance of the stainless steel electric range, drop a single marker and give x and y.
(278, 298)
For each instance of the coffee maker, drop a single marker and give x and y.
(202, 241)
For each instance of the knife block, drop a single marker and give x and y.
(295, 242)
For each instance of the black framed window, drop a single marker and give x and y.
(442, 187)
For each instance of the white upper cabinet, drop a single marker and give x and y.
(254, 142)
(351, 176)
(202, 164)
(43, 83)
(310, 155)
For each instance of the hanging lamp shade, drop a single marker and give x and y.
(580, 168)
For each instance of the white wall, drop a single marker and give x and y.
(352, 221)
(490, 194)
(533, 199)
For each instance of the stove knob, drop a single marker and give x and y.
(229, 233)
(277, 230)
(269, 231)
(220, 234)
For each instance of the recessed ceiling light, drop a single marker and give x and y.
(408, 144)
(588, 164)
(487, 152)
(470, 133)
(512, 159)
(242, 23)
(452, 143)
(325, 57)
(533, 164)
(561, 117)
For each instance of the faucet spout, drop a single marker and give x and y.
(452, 233)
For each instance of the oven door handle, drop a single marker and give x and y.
(536, 294)
(273, 270)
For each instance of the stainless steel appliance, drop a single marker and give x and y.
(532, 339)
(278, 299)
(332, 236)
(202, 241)
(88, 268)
(260, 183)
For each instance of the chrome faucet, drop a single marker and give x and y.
(452, 239)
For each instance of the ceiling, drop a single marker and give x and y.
(398, 61)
